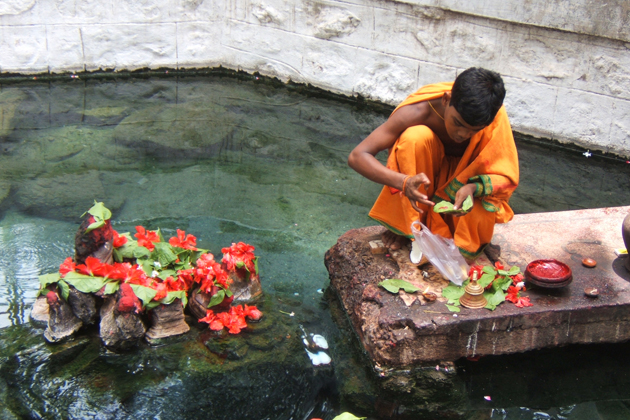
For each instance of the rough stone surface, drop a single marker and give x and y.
(83, 306)
(39, 313)
(119, 331)
(167, 321)
(552, 54)
(62, 322)
(397, 335)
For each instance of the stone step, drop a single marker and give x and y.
(396, 335)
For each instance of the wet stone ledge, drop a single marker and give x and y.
(399, 336)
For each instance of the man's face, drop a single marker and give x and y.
(458, 129)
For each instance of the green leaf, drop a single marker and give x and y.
(83, 283)
(446, 207)
(489, 270)
(504, 282)
(112, 287)
(164, 253)
(502, 272)
(216, 298)
(100, 214)
(145, 294)
(393, 285)
(164, 274)
(348, 416)
(467, 204)
(128, 250)
(453, 308)
(443, 207)
(47, 279)
(255, 265)
(494, 298)
(65, 289)
(514, 270)
(147, 266)
(141, 252)
(485, 280)
(170, 298)
(453, 292)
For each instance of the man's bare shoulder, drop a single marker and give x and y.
(413, 114)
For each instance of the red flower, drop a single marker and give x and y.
(475, 268)
(162, 291)
(252, 312)
(512, 294)
(128, 300)
(239, 253)
(211, 318)
(517, 278)
(130, 274)
(174, 285)
(523, 301)
(94, 267)
(232, 321)
(498, 265)
(186, 276)
(183, 241)
(146, 238)
(119, 240)
(67, 266)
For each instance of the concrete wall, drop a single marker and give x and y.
(565, 62)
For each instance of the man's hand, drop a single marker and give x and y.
(463, 193)
(412, 191)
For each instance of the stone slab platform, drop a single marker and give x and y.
(396, 335)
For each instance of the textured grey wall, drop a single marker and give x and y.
(565, 62)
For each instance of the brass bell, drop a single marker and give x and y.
(473, 294)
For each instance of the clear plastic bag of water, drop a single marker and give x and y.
(442, 253)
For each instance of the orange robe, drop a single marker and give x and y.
(490, 161)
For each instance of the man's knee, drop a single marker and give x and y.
(421, 137)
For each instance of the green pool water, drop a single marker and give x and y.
(229, 160)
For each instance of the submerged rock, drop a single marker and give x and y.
(62, 322)
(167, 321)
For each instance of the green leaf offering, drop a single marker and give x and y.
(216, 298)
(394, 285)
(83, 283)
(100, 214)
(446, 207)
(145, 294)
(47, 279)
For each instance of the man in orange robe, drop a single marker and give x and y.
(447, 141)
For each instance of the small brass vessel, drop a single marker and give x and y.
(473, 294)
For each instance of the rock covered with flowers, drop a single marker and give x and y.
(126, 282)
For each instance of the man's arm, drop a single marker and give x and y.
(362, 159)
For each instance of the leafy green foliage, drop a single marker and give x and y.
(394, 285)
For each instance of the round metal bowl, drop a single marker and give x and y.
(548, 273)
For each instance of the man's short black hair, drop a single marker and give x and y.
(477, 95)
